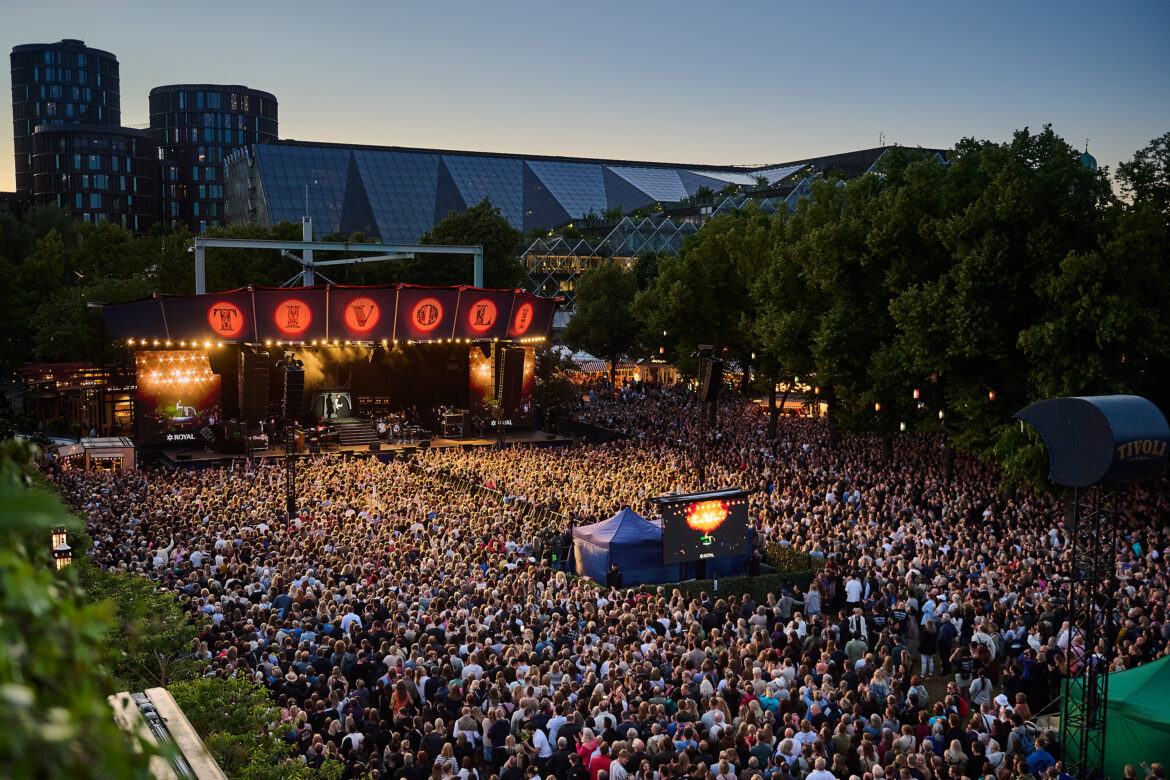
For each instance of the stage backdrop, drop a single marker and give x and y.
(335, 313)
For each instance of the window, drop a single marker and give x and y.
(77, 162)
(195, 173)
(77, 199)
(95, 200)
(101, 182)
(114, 164)
(95, 162)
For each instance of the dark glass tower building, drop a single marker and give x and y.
(96, 172)
(196, 126)
(62, 83)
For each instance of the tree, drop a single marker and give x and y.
(1146, 178)
(704, 296)
(602, 323)
(236, 718)
(481, 224)
(53, 671)
(553, 390)
(153, 634)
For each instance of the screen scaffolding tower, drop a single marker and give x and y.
(1095, 444)
(1090, 597)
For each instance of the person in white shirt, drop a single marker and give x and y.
(819, 772)
(853, 591)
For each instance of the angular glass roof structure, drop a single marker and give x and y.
(397, 194)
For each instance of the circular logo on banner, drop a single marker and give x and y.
(523, 319)
(427, 314)
(482, 315)
(226, 319)
(293, 316)
(362, 314)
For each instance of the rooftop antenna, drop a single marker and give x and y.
(1086, 146)
(881, 138)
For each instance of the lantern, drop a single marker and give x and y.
(916, 394)
(62, 552)
(991, 395)
(877, 407)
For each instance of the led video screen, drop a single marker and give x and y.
(177, 396)
(703, 526)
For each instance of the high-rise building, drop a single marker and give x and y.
(96, 172)
(196, 126)
(61, 83)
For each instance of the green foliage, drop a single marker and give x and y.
(759, 587)
(153, 634)
(786, 559)
(481, 224)
(705, 295)
(602, 323)
(53, 676)
(240, 725)
(553, 387)
(1146, 178)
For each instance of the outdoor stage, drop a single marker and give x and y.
(188, 458)
(235, 371)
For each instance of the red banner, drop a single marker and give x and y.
(290, 315)
(426, 313)
(361, 313)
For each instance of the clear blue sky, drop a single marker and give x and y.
(711, 82)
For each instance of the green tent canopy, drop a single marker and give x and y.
(1137, 721)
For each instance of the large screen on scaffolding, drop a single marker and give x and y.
(177, 396)
(703, 526)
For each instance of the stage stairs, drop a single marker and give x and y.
(355, 432)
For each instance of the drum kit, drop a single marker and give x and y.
(399, 431)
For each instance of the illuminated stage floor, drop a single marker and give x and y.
(188, 457)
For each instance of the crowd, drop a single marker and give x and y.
(408, 628)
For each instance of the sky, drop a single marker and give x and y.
(726, 83)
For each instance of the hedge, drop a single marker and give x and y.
(759, 586)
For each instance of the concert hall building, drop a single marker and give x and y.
(398, 193)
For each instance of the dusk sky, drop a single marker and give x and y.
(715, 82)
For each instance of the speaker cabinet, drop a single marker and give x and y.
(253, 385)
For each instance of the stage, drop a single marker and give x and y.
(196, 458)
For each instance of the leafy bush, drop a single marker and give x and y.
(783, 558)
(759, 587)
(236, 718)
(53, 669)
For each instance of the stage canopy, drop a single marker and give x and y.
(627, 539)
(334, 313)
(1136, 719)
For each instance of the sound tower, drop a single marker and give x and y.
(294, 392)
(253, 385)
(509, 378)
(710, 379)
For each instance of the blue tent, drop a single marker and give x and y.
(629, 540)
